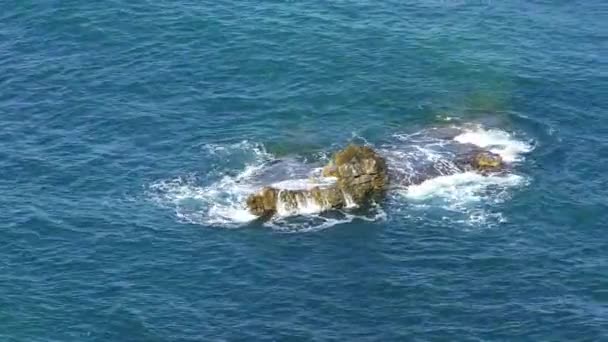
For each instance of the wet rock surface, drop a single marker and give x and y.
(361, 176)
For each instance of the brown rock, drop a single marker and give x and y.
(263, 203)
(487, 161)
(483, 162)
(361, 173)
(330, 170)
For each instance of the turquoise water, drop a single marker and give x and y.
(130, 132)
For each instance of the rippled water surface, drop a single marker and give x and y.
(131, 132)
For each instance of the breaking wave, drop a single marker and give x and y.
(466, 197)
(219, 199)
(221, 202)
(496, 141)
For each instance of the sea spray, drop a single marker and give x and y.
(496, 141)
(468, 196)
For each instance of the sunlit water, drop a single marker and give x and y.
(132, 133)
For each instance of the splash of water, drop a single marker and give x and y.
(304, 184)
(497, 141)
(467, 196)
(220, 203)
(464, 197)
(461, 188)
(301, 204)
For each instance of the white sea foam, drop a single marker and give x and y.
(309, 223)
(470, 198)
(348, 199)
(304, 184)
(461, 197)
(220, 201)
(305, 205)
(461, 187)
(497, 141)
(323, 220)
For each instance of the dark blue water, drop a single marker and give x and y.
(127, 131)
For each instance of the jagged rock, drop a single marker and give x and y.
(263, 203)
(269, 201)
(316, 199)
(361, 174)
(482, 161)
(329, 197)
(360, 171)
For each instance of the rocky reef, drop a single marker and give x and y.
(360, 171)
(361, 176)
(481, 161)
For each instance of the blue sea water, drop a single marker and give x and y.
(130, 130)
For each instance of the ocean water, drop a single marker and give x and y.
(132, 131)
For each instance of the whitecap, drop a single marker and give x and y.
(496, 141)
(460, 187)
(469, 197)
